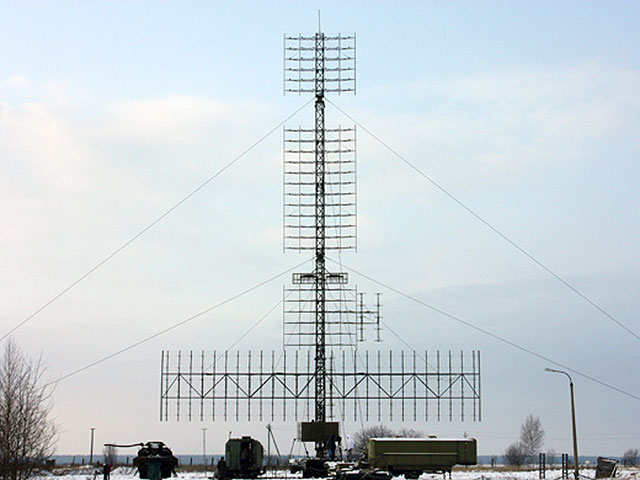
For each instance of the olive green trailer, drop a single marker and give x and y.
(413, 456)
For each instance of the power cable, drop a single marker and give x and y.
(489, 225)
(397, 335)
(176, 325)
(250, 329)
(153, 223)
(488, 333)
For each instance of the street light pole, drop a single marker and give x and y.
(573, 421)
(204, 448)
(91, 451)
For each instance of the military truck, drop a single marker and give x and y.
(243, 458)
(413, 456)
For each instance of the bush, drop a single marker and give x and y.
(515, 454)
(630, 457)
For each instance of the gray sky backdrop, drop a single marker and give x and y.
(528, 112)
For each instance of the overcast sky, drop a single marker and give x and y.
(526, 112)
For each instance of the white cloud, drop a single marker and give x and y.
(37, 141)
(18, 81)
(172, 119)
(490, 129)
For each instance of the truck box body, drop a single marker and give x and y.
(398, 455)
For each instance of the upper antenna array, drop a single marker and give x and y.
(320, 63)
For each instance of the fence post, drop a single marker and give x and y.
(542, 465)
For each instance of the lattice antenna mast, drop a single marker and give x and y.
(321, 313)
(317, 65)
(320, 260)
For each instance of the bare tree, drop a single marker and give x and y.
(532, 436)
(515, 454)
(409, 433)
(110, 455)
(361, 438)
(630, 457)
(552, 457)
(27, 434)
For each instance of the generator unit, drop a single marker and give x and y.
(155, 461)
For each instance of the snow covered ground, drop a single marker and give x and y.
(128, 473)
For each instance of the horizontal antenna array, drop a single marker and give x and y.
(360, 386)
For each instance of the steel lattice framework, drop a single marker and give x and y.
(360, 386)
(320, 204)
(320, 380)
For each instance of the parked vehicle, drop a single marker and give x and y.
(413, 456)
(243, 458)
(387, 457)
